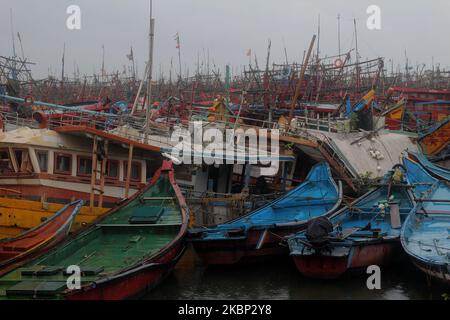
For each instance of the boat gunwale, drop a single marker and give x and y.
(45, 223)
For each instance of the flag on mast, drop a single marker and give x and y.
(177, 39)
(249, 52)
(130, 56)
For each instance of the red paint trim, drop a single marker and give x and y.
(83, 129)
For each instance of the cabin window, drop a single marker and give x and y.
(112, 169)
(63, 163)
(42, 158)
(23, 160)
(5, 163)
(135, 170)
(84, 166)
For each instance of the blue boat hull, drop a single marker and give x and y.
(363, 234)
(425, 236)
(258, 235)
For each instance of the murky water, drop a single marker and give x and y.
(281, 280)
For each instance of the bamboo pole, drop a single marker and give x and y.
(127, 182)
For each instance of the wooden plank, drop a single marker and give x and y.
(122, 225)
(395, 215)
(348, 232)
(102, 174)
(127, 182)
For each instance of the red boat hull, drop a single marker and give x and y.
(437, 272)
(134, 284)
(360, 257)
(226, 252)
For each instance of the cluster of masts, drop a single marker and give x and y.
(320, 78)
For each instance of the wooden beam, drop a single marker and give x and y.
(93, 172)
(127, 182)
(300, 80)
(102, 175)
(13, 159)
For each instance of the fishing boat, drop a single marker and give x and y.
(124, 254)
(435, 141)
(435, 170)
(13, 251)
(258, 234)
(41, 170)
(364, 233)
(425, 236)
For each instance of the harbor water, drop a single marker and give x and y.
(281, 280)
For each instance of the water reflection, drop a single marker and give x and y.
(281, 280)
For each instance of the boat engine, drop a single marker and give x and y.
(317, 231)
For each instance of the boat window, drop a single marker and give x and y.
(23, 160)
(63, 163)
(84, 166)
(135, 170)
(5, 163)
(112, 169)
(42, 157)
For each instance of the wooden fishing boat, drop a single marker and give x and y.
(364, 233)
(435, 170)
(435, 141)
(258, 234)
(124, 254)
(425, 236)
(13, 251)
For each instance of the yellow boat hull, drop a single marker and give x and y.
(18, 215)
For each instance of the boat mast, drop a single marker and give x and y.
(179, 57)
(103, 63)
(300, 80)
(339, 34)
(62, 72)
(357, 57)
(12, 32)
(150, 69)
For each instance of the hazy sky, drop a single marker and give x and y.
(228, 28)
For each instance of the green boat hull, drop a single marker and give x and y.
(129, 251)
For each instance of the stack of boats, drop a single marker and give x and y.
(131, 248)
(408, 212)
(133, 232)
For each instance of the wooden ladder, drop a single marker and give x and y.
(95, 188)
